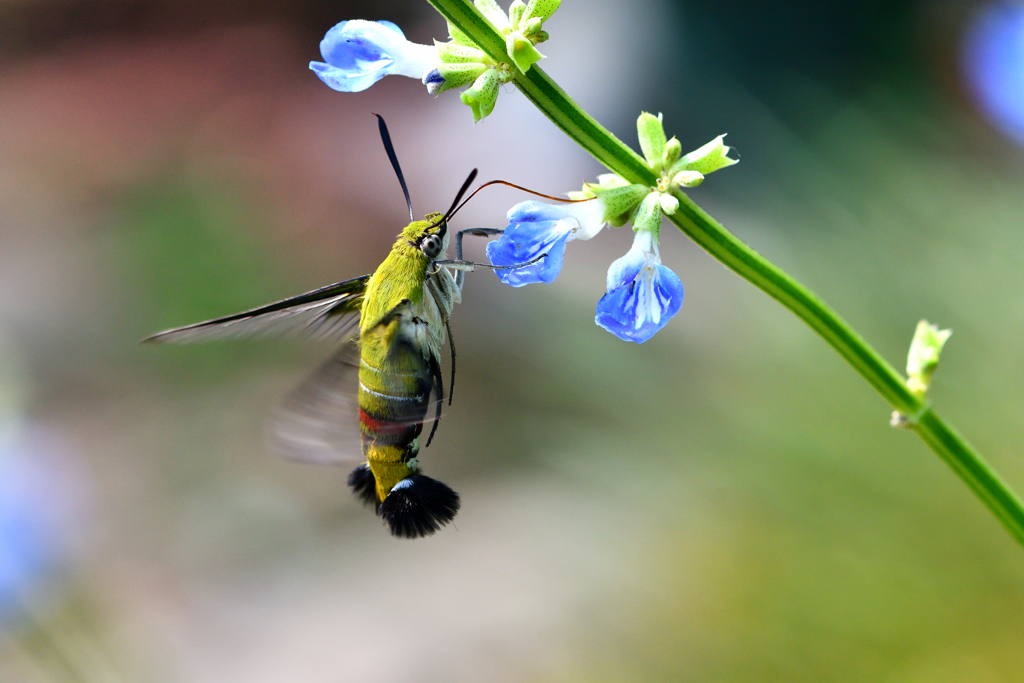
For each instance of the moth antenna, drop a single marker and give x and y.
(390, 149)
(458, 196)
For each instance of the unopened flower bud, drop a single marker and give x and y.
(673, 149)
(531, 27)
(669, 204)
(688, 178)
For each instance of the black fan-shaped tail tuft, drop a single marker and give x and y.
(363, 484)
(418, 506)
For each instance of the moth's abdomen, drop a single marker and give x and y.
(394, 394)
(395, 382)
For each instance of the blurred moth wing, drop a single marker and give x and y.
(329, 313)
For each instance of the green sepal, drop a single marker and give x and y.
(458, 75)
(482, 95)
(610, 180)
(923, 357)
(652, 139)
(673, 150)
(619, 221)
(541, 9)
(459, 37)
(620, 200)
(707, 159)
(453, 53)
(490, 9)
(647, 214)
(540, 37)
(522, 52)
(515, 13)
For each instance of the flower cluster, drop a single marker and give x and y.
(641, 294)
(359, 53)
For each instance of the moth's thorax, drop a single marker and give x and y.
(432, 223)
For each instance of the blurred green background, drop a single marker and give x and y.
(723, 503)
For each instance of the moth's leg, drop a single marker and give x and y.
(451, 345)
(479, 232)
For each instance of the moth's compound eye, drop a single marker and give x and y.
(431, 246)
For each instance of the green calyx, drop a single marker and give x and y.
(464, 63)
(923, 357)
(458, 75)
(707, 159)
(618, 195)
(482, 95)
(522, 51)
(652, 140)
(647, 214)
(522, 27)
(664, 157)
(455, 53)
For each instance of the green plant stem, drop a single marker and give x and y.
(727, 248)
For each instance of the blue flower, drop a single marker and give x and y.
(360, 53)
(642, 296)
(535, 228)
(38, 519)
(994, 64)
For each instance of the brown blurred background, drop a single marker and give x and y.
(723, 503)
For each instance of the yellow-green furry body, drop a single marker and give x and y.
(402, 326)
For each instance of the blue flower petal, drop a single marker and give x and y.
(351, 44)
(391, 25)
(359, 53)
(345, 80)
(533, 211)
(625, 268)
(636, 311)
(524, 242)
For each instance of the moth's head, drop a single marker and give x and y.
(429, 235)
